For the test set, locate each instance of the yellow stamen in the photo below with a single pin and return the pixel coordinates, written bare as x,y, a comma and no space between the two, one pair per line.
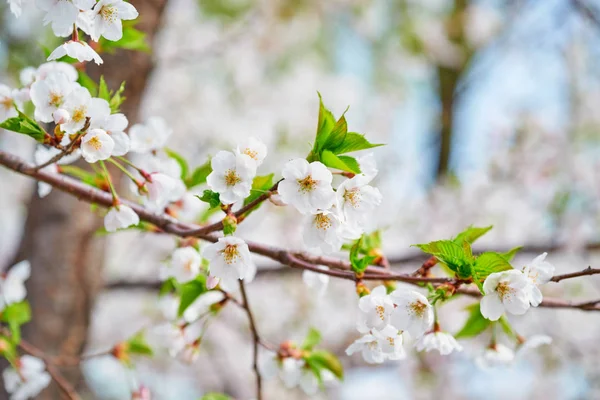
231,254
109,14
418,308
56,99
79,114
95,143
380,310
504,290
6,102
251,153
322,222
307,184
352,196
232,178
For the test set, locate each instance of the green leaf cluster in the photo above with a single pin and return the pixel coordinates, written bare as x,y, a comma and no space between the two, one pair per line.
25,125
333,141
312,339
320,360
363,246
194,178
132,39
15,315
210,197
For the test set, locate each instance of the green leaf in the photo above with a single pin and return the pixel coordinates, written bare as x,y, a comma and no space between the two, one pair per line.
360,264
229,225
183,165
199,175
168,286
88,83
322,359
117,99
475,324
210,197
132,39
447,252
25,125
260,184
324,126
103,91
342,163
353,142
137,344
506,327
471,234
488,263
509,255
215,396
16,313
312,339
337,135
190,291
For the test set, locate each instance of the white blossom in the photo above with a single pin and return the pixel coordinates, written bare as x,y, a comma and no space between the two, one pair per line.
506,290
27,76
291,371
62,14
230,260
15,7
253,148
413,313
357,200
369,347
532,343
315,281
120,217
184,265
152,135
96,145
375,310
307,186
539,272
106,19
161,190
61,116
49,94
231,176
78,50
495,356
323,230
443,342
114,125
202,305
368,166
30,379
53,67
12,284
80,105
390,342
7,103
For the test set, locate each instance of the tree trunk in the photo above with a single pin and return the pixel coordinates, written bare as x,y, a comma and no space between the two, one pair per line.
59,240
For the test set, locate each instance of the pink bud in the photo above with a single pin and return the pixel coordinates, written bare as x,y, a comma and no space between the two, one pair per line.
143,393
211,282
61,116
277,200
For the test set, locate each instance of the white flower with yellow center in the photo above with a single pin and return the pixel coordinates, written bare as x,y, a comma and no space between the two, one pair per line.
230,261
106,19
539,272
390,341
323,231
370,348
375,310
62,14
28,380
184,265
80,105
81,51
440,341
253,148
357,200
496,355
120,217
114,125
231,176
96,145
413,313
12,284
506,290
152,135
7,103
307,186
49,94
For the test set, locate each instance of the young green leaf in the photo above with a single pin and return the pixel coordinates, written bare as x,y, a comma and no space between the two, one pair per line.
353,142
490,262
88,83
132,39
137,344
260,184
215,396
447,252
190,291
312,339
168,286
117,99
25,125
183,165
324,126
322,359
337,135
509,255
475,324
199,175
342,163
16,313
210,197
103,91
471,234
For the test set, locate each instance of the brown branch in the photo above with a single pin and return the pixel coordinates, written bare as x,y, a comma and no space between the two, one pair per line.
339,268
587,271
67,150
255,338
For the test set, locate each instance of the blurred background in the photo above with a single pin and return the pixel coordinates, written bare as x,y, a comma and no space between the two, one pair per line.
490,114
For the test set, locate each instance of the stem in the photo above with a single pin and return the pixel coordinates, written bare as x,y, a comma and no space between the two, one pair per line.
123,169
132,165
110,184
256,340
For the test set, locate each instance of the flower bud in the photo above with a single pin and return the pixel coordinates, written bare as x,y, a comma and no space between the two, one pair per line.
362,290
277,200
212,282
61,116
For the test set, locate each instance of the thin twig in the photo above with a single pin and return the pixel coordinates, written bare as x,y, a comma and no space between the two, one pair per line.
256,340
67,150
587,271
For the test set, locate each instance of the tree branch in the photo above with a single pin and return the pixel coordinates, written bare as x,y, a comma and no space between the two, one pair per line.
255,339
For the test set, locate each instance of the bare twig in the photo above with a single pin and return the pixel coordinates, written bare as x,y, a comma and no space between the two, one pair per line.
587,271
256,340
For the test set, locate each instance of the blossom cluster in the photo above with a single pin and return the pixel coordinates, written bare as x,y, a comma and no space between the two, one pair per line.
385,318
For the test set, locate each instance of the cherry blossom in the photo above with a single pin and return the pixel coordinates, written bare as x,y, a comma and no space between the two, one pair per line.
106,18
15,7
76,49
49,94
443,342
413,313
202,305
80,105
7,103
253,148
316,281
96,145
61,116
120,217
28,381
390,342
368,166
28,75
12,284
161,190
507,290
152,135
231,176
357,200
307,186
375,310
230,260
62,14
370,348
184,265
52,67
323,231
495,356
539,272
114,125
